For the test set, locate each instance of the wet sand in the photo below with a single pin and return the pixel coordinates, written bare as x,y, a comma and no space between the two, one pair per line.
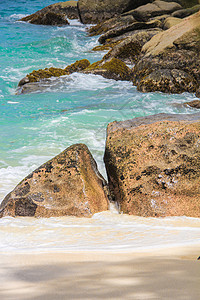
166,274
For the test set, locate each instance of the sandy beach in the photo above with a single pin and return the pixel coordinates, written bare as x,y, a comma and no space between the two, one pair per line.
168,274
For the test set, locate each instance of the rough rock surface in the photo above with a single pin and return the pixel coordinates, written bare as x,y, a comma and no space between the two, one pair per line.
112,69
95,11
183,13
26,83
157,8
68,184
174,51
115,22
54,14
153,165
193,104
128,50
120,30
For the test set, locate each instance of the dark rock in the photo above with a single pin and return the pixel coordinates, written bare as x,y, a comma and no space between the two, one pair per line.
172,55
128,50
183,13
198,92
93,11
157,8
54,14
49,18
116,22
153,165
194,103
168,81
118,31
69,184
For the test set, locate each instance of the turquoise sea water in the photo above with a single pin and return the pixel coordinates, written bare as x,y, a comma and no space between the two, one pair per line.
77,108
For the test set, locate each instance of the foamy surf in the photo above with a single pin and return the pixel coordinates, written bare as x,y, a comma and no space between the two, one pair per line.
106,231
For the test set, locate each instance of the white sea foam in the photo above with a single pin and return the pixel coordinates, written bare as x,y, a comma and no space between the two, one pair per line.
103,232
16,16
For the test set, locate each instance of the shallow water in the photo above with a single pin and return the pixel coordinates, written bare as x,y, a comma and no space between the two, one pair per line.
76,108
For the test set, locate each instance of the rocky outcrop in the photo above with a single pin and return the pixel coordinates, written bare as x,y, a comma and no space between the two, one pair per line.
26,83
170,61
157,8
129,47
193,104
94,11
153,165
112,69
116,22
68,184
183,13
54,14
120,30
170,21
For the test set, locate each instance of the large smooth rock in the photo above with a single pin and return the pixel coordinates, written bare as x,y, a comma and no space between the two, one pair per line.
68,184
153,165
171,54
157,8
95,11
54,14
171,21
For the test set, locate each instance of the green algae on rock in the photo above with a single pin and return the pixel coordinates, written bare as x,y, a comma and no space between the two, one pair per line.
153,165
40,74
68,184
112,69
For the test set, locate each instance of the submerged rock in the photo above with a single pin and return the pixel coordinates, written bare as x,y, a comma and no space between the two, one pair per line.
54,14
153,165
93,11
68,184
170,61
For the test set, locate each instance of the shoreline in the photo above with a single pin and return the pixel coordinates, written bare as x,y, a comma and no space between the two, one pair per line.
166,274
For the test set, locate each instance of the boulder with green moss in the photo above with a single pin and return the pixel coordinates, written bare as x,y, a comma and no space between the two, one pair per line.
40,74
170,61
55,14
112,69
